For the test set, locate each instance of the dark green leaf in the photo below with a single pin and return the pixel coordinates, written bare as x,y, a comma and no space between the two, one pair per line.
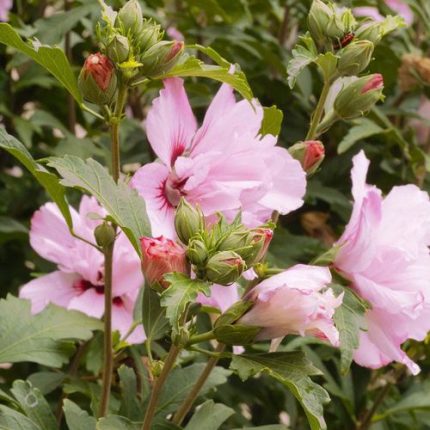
114,422
76,418
130,405
209,416
13,420
155,322
46,382
236,334
293,370
304,53
362,129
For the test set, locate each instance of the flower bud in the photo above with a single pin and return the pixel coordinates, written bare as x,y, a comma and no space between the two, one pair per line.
370,31
189,220
104,234
359,96
160,256
97,80
261,238
197,252
319,18
310,154
225,267
149,36
161,57
239,241
130,19
355,57
118,49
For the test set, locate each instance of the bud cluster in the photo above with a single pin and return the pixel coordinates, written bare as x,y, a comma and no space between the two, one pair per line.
222,252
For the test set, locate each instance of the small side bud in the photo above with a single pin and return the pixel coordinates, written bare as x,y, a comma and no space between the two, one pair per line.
104,234
189,220
355,57
129,18
359,96
97,80
161,57
310,154
118,49
197,252
159,257
319,18
225,267
150,35
260,241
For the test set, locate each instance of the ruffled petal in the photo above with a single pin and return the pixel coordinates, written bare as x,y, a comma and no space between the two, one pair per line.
89,302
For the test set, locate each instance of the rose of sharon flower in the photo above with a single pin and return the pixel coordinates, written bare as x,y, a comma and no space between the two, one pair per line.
78,282
224,165
296,301
5,7
384,253
398,6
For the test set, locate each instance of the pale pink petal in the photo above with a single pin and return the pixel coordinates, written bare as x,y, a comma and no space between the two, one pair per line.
170,124
367,11
221,297
402,8
56,287
122,320
5,7
89,302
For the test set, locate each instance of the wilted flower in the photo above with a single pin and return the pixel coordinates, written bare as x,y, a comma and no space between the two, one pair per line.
384,253
296,301
78,282
224,166
161,256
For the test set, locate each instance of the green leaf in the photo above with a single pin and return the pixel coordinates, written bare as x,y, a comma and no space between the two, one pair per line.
304,53
114,422
272,121
11,229
192,66
236,334
44,338
292,369
52,59
349,320
11,419
269,427
76,418
362,129
47,179
182,290
154,319
327,63
209,416
180,382
46,382
123,204
34,405
130,405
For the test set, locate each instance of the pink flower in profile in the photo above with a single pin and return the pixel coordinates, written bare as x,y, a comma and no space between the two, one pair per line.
398,6
5,7
78,281
296,301
224,166
384,253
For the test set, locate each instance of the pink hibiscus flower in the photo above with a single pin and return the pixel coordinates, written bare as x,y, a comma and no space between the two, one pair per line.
384,253
296,301
224,166
5,7
78,282
397,6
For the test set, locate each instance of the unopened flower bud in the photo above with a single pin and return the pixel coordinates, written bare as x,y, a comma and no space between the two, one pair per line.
118,49
355,57
189,220
97,80
359,96
310,154
197,252
159,257
370,31
237,240
319,18
161,57
130,19
104,234
150,35
225,267
261,238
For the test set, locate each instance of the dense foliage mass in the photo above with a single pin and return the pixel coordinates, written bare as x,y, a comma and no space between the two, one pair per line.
214,214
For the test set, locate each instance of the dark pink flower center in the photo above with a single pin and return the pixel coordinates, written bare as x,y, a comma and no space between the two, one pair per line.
83,285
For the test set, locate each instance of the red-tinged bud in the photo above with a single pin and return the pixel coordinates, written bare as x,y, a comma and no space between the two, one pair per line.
97,80
376,83
225,267
310,154
261,238
159,257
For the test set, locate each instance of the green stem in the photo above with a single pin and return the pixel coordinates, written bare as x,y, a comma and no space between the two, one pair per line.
187,404
319,110
156,389
198,338
108,353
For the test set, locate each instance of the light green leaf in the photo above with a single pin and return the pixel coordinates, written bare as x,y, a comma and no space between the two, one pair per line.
327,63
46,382
304,53
114,422
44,338
272,121
47,179
34,405
154,319
209,416
349,320
130,405
293,370
123,204
182,290
180,382
11,419
76,418
361,129
52,59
